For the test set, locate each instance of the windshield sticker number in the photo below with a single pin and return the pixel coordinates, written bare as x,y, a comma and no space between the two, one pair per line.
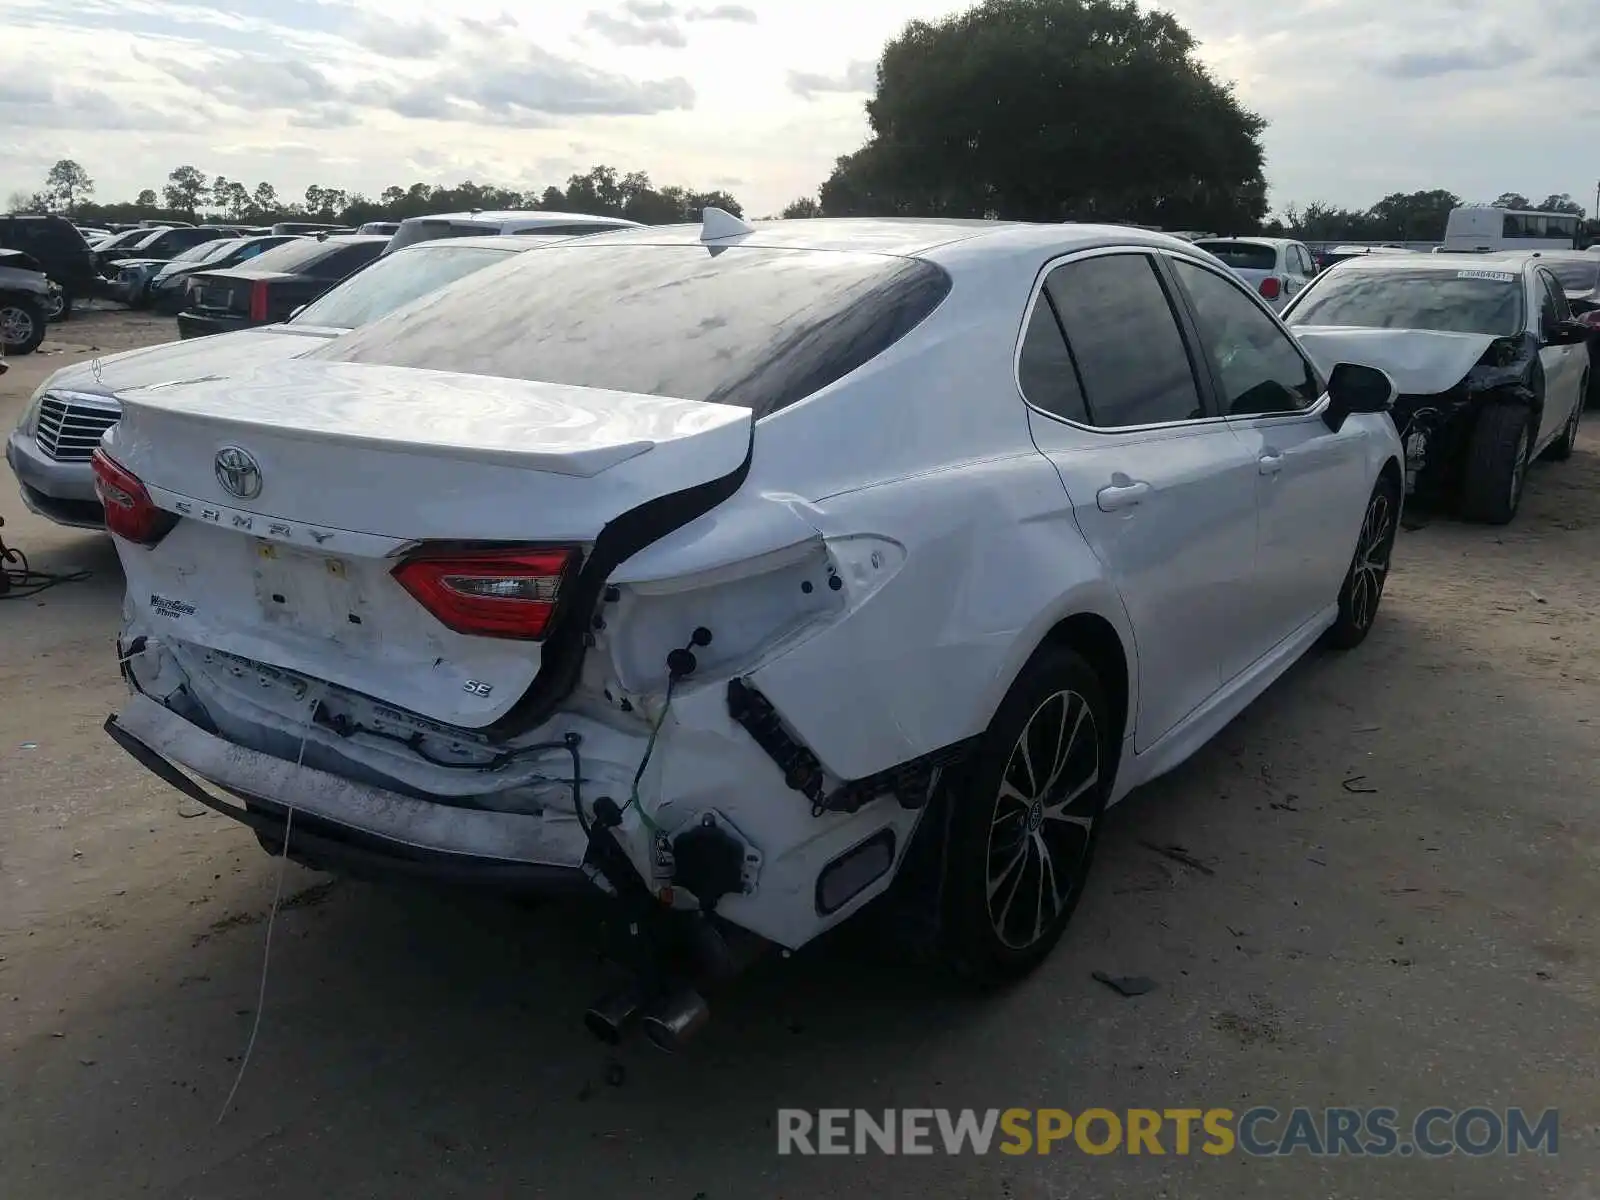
1493,276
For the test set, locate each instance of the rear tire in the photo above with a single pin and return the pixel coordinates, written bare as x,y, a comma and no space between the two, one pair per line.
60,307
1497,464
1561,449
1026,814
1369,568
22,325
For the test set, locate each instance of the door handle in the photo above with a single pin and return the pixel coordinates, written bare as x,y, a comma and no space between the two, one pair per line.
1270,463
1121,495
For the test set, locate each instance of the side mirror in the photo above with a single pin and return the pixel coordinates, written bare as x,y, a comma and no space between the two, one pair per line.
1567,333
1353,388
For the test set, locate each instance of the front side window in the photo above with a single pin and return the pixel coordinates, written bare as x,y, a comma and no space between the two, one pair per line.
1486,300
1120,327
1553,308
396,280
1256,364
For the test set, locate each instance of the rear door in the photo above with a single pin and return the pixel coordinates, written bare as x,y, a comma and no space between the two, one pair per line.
1311,483
1161,488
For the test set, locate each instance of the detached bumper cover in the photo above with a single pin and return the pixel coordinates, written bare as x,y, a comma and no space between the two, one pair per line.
344,822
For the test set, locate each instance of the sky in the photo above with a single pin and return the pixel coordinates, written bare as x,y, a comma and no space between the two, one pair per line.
1363,97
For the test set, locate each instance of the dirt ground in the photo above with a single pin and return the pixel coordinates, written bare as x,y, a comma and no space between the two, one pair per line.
1396,904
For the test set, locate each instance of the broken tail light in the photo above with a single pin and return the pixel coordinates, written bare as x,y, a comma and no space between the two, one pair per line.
130,513
490,593
1271,288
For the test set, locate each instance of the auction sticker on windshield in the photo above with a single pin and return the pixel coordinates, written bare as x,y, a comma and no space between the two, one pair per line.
1496,276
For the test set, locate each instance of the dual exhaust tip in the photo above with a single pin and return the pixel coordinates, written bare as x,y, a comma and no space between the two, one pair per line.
670,1021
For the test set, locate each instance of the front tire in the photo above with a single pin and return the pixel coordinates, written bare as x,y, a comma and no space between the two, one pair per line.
59,307
1362,591
1497,464
1027,810
22,324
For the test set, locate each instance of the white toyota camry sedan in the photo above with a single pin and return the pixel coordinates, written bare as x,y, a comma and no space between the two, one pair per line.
743,571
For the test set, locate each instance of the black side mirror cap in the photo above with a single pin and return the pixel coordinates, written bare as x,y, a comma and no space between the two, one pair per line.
1353,388
1567,333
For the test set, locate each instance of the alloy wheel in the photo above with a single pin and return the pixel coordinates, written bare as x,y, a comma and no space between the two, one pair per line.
1044,817
16,325
55,305
1371,569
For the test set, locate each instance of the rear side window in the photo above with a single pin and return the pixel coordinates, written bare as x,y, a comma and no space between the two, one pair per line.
1125,340
1246,256
750,326
1045,371
343,260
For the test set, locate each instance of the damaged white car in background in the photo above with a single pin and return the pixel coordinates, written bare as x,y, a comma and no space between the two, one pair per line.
1491,367
742,572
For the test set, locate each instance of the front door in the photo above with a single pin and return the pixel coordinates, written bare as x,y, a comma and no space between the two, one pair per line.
1563,365
1311,482
1161,488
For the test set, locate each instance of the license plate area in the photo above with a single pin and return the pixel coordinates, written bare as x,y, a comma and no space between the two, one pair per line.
315,594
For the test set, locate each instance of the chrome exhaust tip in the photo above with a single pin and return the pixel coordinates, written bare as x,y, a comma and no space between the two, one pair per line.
611,1016
676,1019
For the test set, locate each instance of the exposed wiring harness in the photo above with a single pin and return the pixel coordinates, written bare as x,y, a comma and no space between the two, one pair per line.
18,580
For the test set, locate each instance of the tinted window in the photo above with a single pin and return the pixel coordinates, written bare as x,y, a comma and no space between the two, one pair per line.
1125,340
746,325
398,279
1257,367
292,257
1467,301
1577,276
413,231
1248,256
343,260
1553,308
204,252
1044,368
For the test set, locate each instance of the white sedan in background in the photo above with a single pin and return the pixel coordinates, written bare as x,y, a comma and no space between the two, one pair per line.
1278,269
742,571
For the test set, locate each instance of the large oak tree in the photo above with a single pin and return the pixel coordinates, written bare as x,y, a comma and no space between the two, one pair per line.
1053,110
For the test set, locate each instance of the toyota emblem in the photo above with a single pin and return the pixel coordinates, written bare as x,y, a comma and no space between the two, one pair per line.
238,473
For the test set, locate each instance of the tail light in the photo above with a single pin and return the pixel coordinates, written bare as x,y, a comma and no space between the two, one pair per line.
258,300
1271,288
130,513
491,593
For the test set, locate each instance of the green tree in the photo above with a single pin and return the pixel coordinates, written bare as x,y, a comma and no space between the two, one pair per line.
806,206
185,191
264,201
1562,202
1512,200
147,198
1413,216
66,186
1050,110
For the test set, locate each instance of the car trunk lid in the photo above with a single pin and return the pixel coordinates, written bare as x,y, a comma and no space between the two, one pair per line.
348,470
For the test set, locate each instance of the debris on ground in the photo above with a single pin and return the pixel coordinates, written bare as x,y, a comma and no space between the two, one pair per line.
1358,785
1126,985
1179,855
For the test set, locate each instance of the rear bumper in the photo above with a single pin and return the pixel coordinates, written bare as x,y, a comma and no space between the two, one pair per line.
193,324
324,845
62,492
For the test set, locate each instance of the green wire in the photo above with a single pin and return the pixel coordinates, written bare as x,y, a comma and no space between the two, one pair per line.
649,748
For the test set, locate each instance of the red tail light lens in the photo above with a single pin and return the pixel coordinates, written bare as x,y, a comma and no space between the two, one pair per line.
130,513
258,300
1271,289
493,593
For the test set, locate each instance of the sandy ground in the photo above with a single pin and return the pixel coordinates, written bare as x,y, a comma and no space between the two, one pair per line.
1423,935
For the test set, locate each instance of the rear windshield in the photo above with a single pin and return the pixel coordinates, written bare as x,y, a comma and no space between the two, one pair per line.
1469,301
431,231
1576,276
751,326
1247,256
206,251
396,280
293,257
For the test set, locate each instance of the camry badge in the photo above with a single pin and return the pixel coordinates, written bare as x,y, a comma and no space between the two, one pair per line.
238,473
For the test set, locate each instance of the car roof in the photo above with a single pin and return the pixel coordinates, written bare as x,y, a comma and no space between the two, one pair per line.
345,239
501,216
513,243
1250,241
1438,262
941,239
